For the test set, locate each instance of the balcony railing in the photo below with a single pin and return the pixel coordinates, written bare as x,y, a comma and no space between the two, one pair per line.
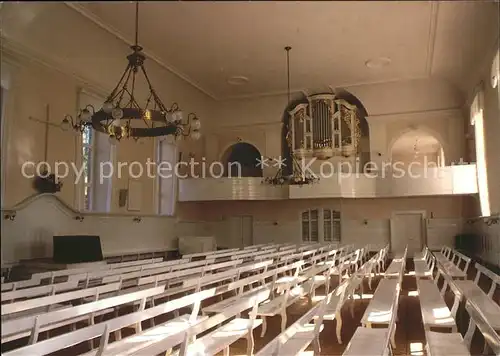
453,180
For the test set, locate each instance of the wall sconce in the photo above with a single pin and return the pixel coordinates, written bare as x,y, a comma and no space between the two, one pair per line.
79,218
10,216
137,219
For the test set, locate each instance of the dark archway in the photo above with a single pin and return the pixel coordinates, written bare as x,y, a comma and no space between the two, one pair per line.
241,160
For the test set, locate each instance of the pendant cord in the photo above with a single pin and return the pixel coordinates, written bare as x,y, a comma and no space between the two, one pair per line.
287,49
136,23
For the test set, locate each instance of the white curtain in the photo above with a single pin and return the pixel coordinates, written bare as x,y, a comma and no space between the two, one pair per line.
167,182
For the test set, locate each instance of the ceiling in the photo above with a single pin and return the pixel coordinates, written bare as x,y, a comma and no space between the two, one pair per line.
415,142
207,43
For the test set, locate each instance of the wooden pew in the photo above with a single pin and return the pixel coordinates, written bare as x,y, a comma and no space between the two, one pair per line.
397,263
32,326
373,342
444,344
298,336
195,283
297,286
239,286
435,312
382,306
223,336
44,290
382,310
13,286
424,266
451,260
482,301
175,327
57,301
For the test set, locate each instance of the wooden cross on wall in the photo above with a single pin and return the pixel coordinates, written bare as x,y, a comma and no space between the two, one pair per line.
46,123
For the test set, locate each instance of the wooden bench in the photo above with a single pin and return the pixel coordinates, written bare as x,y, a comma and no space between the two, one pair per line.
33,325
444,344
13,286
375,342
219,339
57,301
298,336
239,286
397,264
382,306
298,286
175,327
44,290
195,283
338,298
451,260
424,264
482,301
435,312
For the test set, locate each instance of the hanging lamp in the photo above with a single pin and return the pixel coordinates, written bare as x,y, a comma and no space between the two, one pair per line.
121,115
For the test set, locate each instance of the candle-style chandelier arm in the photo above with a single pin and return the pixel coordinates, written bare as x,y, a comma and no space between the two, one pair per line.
82,120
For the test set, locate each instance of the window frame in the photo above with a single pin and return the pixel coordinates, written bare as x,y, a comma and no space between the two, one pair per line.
477,121
157,191
321,225
79,145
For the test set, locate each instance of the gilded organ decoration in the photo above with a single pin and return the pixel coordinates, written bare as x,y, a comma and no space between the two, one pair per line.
324,127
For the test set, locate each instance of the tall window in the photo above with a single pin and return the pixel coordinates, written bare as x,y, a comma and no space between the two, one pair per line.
166,178
97,161
476,114
321,225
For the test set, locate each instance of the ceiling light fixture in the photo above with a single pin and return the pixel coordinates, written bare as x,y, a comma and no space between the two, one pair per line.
298,176
121,114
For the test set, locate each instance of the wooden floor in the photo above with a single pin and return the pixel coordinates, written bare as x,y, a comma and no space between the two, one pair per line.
410,338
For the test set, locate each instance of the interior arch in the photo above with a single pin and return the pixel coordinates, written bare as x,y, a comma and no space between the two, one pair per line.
417,145
241,160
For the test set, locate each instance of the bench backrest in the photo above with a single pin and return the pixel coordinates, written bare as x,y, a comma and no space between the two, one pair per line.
490,335
317,312
58,298
137,262
39,291
495,279
105,328
12,286
188,268
448,282
34,323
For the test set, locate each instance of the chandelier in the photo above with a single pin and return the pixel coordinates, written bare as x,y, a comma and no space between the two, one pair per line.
121,115
298,176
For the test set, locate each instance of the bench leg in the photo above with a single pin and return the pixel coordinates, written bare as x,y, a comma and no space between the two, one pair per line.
339,326
393,336
283,321
264,326
226,351
250,343
316,346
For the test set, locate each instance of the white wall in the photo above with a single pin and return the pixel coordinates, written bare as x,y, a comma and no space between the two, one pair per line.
42,217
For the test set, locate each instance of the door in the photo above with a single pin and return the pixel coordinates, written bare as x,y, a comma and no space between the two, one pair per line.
406,230
239,232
